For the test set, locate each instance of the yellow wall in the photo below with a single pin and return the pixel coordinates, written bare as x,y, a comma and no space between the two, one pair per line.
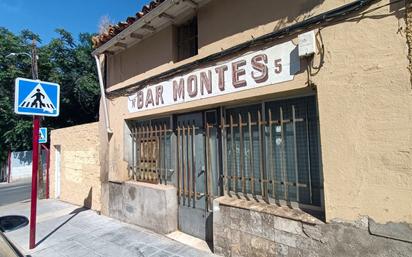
364,97
80,166
138,60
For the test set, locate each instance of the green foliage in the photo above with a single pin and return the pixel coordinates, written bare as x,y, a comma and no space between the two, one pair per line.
63,60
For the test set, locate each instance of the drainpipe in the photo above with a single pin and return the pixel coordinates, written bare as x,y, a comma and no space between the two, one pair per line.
102,92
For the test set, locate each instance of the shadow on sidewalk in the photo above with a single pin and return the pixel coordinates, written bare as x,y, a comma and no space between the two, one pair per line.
75,212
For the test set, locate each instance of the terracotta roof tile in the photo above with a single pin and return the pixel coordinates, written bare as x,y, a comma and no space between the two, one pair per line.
113,30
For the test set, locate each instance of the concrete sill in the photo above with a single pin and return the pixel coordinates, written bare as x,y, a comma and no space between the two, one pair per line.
149,185
275,210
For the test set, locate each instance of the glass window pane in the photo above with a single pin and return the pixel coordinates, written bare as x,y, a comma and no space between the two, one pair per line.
304,160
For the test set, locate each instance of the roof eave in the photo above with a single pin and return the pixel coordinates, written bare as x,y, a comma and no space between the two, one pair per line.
140,23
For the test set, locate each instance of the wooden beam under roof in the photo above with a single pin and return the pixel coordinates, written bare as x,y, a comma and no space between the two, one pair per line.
167,16
136,35
190,3
122,45
148,27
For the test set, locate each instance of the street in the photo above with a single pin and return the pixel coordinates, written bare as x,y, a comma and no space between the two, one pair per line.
15,191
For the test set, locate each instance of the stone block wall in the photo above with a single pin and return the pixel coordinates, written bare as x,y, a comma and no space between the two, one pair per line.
79,166
244,228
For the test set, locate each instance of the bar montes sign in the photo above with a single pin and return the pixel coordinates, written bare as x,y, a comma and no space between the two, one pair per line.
273,65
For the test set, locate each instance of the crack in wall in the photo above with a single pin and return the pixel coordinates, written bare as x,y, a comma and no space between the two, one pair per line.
408,20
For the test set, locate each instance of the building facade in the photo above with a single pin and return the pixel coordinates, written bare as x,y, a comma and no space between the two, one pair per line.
268,128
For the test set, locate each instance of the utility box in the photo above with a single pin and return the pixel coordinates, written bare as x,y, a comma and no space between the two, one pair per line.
307,44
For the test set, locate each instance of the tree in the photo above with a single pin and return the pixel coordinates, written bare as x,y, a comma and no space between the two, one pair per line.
63,60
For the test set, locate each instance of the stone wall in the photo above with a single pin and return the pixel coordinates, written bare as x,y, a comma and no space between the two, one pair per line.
244,228
80,166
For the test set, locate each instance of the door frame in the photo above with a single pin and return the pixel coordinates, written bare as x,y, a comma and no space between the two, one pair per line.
57,171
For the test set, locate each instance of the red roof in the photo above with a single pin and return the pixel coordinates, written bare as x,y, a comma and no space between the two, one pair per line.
113,30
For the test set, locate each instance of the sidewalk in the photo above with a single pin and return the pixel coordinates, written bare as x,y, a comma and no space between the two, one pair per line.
67,230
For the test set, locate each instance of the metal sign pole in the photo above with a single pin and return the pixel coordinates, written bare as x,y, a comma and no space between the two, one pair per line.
36,98
35,164
35,159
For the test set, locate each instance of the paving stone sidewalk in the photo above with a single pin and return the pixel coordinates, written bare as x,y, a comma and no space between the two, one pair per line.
68,230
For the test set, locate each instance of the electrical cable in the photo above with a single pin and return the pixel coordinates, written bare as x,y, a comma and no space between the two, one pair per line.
298,27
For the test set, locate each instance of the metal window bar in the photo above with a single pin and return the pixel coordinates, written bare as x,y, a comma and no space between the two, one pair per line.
179,164
233,156
295,152
165,162
251,159
209,186
184,161
187,169
271,150
272,174
225,151
150,153
308,154
242,171
194,164
282,155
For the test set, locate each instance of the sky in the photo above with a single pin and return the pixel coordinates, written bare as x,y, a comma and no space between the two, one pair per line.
76,16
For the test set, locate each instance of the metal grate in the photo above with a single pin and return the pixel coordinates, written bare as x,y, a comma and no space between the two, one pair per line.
266,151
272,151
186,164
151,152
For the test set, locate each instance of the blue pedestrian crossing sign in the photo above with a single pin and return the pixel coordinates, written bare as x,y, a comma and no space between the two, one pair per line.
35,97
42,135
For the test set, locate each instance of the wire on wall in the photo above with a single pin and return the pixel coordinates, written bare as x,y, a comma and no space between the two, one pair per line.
323,19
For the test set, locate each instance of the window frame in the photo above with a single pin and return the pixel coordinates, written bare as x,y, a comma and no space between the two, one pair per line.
222,139
190,41
317,209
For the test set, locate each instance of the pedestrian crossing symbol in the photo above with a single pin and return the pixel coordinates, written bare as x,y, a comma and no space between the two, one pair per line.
35,97
42,135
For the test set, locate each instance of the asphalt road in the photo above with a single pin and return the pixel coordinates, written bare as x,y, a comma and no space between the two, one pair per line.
14,192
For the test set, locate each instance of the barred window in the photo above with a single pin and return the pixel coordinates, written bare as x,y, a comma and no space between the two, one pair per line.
187,40
151,151
266,151
272,151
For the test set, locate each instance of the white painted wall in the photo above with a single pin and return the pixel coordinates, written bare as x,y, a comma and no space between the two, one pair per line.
21,164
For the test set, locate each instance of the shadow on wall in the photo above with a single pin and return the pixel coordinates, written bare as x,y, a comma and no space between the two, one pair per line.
398,8
88,200
232,17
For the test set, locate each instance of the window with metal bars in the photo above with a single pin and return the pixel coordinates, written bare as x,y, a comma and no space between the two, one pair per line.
151,151
273,151
187,45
